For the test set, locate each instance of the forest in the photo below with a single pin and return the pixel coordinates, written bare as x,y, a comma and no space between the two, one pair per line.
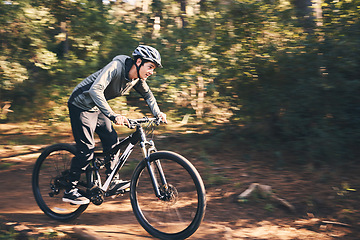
277,75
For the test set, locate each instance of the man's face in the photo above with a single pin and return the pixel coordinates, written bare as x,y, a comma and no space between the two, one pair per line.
147,70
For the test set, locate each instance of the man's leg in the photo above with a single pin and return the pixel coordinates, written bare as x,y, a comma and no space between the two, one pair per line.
108,137
83,124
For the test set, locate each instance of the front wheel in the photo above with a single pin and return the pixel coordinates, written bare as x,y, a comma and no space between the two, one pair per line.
177,214
50,176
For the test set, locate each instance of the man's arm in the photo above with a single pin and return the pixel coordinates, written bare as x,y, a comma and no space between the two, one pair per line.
143,89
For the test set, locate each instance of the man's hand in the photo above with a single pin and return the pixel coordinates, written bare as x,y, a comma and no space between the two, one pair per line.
163,117
121,120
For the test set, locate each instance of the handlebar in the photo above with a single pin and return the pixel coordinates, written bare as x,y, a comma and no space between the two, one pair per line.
135,122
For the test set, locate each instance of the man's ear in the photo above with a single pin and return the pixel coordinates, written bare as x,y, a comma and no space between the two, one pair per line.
138,61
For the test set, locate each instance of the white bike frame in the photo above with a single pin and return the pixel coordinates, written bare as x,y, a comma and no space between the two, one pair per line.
147,148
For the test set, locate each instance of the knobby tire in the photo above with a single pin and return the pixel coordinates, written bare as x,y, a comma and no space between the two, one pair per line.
52,162
180,215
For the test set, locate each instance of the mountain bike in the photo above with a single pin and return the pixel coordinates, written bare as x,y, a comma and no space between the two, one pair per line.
166,191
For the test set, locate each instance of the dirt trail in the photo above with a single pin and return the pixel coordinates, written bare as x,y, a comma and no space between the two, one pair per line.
225,217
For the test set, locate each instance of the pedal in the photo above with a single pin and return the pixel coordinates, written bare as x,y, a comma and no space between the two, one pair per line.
119,189
123,190
121,186
120,193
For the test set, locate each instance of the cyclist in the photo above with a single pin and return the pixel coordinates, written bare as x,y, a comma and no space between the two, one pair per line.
90,112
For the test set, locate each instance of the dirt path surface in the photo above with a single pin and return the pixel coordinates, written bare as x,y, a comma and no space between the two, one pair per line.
325,208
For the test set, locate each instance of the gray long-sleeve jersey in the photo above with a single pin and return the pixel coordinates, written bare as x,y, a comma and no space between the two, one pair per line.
110,82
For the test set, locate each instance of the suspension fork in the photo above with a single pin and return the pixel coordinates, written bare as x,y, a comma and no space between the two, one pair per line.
148,147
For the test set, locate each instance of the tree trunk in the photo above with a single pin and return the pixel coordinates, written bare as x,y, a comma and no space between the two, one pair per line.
305,13
66,41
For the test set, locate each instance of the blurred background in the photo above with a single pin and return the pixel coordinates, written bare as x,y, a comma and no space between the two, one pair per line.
273,74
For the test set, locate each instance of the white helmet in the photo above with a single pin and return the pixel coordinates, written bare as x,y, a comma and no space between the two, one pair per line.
148,53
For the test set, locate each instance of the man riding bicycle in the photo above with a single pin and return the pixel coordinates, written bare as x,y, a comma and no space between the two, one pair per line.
90,112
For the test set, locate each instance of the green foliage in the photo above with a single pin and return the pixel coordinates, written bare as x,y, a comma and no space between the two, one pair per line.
8,234
257,65
5,165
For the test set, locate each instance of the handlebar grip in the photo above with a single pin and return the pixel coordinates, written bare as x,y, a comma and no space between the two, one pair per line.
158,121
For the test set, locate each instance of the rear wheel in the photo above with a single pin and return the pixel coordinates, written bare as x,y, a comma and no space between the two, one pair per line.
50,176
177,214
